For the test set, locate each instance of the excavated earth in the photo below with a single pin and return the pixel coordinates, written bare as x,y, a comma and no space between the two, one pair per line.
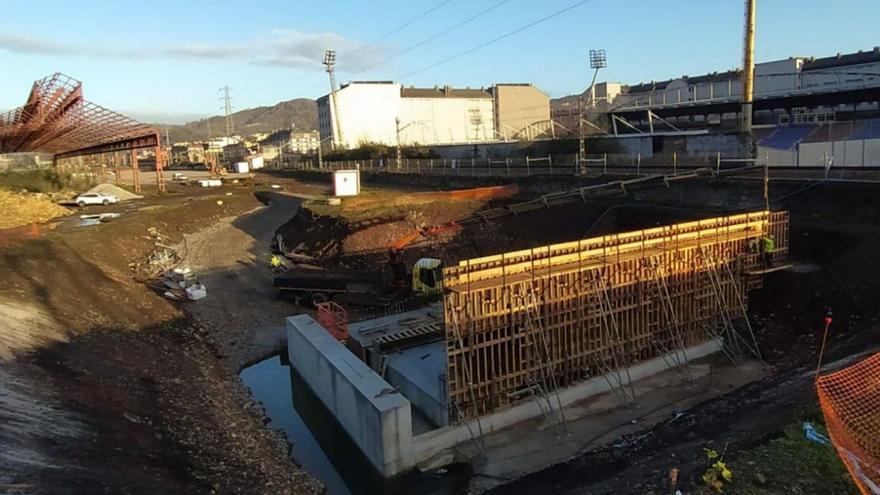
106,386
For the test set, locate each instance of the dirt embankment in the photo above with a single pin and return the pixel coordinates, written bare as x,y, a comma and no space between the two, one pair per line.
25,208
106,387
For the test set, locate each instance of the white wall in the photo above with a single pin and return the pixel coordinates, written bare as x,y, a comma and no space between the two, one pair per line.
779,76
446,120
366,113
850,153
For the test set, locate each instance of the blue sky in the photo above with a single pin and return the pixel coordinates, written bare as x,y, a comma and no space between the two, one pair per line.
164,60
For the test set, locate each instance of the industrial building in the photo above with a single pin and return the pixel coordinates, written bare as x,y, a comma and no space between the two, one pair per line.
387,113
796,90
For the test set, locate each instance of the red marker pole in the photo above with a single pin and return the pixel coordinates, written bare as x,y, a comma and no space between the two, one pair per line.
824,338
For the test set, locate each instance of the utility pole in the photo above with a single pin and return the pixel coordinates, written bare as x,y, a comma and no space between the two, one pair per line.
397,128
597,61
281,153
227,108
748,72
329,64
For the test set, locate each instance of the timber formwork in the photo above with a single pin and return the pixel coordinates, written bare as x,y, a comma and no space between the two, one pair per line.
557,315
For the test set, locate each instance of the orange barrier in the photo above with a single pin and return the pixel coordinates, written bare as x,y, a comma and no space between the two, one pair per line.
850,401
485,193
334,319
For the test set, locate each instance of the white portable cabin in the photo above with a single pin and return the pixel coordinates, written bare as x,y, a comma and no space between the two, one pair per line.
346,182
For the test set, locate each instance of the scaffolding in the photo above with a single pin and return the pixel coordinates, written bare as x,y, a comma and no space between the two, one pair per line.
528,323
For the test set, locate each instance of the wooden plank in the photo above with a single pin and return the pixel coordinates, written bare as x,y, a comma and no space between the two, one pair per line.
488,296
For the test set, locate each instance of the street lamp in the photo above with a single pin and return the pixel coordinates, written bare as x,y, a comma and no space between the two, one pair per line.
329,63
597,61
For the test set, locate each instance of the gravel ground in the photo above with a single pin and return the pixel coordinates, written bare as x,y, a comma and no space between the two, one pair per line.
106,387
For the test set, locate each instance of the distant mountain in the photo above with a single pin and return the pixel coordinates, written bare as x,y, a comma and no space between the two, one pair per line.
302,112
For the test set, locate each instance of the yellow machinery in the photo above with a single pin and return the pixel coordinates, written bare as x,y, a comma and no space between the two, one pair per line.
427,277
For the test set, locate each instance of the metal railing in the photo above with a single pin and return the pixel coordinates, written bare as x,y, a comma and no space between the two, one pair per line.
520,166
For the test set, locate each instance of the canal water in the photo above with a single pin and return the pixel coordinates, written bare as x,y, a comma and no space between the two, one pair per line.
321,446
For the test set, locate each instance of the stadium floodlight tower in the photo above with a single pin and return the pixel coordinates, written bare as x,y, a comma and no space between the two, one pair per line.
597,61
329,64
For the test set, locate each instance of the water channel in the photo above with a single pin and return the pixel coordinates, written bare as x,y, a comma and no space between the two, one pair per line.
321,446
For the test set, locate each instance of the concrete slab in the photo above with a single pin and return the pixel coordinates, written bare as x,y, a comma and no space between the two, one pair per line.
418,372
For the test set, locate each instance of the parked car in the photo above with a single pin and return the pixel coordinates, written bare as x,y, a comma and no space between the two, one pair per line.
96,199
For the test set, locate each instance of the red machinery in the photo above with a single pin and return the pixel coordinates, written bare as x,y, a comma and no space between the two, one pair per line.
334,319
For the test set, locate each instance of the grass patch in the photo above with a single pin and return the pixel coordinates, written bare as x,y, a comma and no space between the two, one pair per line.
43,181
789,464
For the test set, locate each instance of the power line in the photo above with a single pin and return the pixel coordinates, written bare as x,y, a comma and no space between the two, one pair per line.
434,37
496,39
401,27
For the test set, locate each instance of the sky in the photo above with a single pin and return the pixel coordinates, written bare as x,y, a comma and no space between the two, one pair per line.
166,60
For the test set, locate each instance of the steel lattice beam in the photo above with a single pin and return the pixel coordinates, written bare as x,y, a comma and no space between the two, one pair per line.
57,119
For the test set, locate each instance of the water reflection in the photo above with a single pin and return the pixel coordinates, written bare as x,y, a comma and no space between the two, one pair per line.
321,446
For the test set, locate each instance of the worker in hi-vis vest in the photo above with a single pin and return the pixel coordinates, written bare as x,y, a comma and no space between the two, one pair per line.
275,261
768,246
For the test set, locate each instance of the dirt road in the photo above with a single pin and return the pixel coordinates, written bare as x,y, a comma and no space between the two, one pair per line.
244,318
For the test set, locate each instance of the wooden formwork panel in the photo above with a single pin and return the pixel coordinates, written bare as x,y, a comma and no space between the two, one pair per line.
595,305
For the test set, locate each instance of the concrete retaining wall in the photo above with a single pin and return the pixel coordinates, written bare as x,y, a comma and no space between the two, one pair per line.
432,443
380,423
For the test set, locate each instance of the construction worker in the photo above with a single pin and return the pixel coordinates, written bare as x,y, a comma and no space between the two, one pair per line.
768,246
275,262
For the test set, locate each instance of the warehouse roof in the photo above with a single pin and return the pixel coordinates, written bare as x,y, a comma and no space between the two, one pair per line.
843,60
443,92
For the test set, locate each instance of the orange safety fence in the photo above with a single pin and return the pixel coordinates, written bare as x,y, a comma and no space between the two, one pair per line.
850,401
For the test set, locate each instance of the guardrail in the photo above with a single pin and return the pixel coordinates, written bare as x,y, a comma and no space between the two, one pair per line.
556,164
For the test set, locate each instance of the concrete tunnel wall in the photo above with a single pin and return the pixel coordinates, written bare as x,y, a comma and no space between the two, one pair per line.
379,423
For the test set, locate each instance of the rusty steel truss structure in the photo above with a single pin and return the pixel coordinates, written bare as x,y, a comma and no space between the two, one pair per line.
57,119
523,324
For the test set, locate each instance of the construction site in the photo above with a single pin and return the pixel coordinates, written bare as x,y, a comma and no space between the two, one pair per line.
652,303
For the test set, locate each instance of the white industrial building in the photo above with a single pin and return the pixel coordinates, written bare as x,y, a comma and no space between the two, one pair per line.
387,113
789,77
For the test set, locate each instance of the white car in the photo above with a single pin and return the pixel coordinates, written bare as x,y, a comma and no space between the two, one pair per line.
96,199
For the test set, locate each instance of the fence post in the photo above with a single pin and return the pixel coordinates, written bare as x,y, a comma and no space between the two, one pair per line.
507,162
718,163
639,163
605,163
489,166
419,165
528,169
550,161
674,162
473,167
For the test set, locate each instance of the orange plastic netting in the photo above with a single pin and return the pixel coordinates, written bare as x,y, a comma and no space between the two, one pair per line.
850,401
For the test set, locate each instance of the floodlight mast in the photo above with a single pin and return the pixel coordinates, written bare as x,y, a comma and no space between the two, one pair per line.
329,64
597,61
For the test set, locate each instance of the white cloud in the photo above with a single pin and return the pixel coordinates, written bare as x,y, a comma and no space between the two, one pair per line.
22,44
206,51
296,49
276,47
